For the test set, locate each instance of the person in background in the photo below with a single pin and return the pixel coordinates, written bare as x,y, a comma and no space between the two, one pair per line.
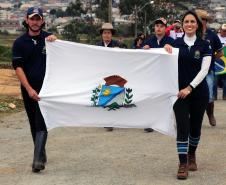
121,43
138,43
141,35
29,62
222,78
216,46
106,32
159,40
175,31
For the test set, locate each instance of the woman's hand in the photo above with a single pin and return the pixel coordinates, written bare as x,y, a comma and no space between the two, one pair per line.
184,92
168,48
51,38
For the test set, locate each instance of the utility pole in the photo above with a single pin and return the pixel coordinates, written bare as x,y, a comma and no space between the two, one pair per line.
135,12
110,11
145,23
138,9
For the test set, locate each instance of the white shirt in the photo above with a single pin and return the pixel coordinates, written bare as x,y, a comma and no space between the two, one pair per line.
222,39
175,35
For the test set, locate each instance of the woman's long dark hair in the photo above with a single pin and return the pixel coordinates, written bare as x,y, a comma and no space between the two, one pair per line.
199,31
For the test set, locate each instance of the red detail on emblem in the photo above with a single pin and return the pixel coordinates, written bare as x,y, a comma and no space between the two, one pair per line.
115,80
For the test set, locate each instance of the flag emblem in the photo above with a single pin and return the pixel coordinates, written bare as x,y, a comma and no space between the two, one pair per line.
197,54
113,94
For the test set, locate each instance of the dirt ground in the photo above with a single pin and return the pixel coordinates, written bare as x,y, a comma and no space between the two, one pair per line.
9,93
92,156
9,84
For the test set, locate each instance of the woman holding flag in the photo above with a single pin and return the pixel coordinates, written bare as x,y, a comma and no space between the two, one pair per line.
193,65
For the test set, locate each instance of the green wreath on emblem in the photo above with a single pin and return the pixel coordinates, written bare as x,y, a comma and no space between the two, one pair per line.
129,98
95,95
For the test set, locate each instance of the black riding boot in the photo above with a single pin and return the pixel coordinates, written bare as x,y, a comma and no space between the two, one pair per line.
40,141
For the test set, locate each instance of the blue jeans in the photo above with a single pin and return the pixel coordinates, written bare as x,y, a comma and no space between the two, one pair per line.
211,85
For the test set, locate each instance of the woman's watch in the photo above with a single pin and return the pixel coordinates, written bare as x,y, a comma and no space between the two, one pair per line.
190,88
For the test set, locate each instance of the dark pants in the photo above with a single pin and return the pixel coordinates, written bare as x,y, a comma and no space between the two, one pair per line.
189,114
35,117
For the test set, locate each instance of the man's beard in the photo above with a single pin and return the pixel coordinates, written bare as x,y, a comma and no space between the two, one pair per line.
35,30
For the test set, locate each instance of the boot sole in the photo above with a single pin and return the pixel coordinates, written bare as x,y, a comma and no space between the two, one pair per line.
182,177
35,170
192,169
38,166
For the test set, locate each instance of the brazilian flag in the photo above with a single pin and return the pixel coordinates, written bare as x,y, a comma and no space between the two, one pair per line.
220,64
109,92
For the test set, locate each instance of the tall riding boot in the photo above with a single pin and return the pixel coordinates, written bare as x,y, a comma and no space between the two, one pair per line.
40,141
210,114
44,157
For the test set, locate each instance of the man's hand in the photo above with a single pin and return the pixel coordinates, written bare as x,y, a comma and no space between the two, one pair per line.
33,94
146,47
51,38
168,48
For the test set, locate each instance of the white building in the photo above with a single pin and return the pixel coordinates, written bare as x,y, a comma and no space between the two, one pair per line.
5,14
6,5
11,26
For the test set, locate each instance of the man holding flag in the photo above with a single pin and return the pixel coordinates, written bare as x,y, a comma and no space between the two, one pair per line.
29,62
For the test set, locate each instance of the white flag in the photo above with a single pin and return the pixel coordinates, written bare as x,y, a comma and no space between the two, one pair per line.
94,86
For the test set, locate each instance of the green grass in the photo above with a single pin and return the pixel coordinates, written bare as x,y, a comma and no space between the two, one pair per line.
5,56
7,40
4,105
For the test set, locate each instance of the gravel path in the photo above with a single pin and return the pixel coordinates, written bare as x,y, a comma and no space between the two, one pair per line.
92,156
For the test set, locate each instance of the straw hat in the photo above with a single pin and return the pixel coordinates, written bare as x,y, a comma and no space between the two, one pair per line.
202,14
107,26
223,27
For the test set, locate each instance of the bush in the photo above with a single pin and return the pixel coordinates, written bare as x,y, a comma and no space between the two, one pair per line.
5,54
77,30
125,30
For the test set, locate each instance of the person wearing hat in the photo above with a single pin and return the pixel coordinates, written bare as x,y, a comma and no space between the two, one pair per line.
106,32
222,35
216,46
159,40
222,78
174,31
29,62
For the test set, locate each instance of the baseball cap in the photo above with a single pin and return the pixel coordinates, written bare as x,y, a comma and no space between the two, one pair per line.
161,21
177,21
34,11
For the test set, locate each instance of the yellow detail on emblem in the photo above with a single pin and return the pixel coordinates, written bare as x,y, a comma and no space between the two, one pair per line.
107,92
